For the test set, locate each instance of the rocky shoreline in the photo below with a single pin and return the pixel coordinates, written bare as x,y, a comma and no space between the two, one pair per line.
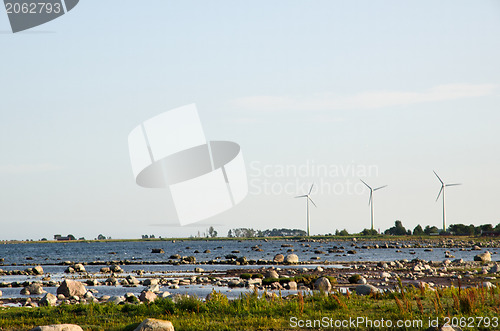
286,272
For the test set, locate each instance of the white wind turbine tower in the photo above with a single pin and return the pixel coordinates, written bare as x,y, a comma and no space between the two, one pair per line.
443,186
370,201
308,198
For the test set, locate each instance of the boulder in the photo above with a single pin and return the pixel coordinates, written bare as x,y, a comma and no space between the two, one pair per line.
70,288
292,285
132,280
152,324
157,251
154,288
150,281
198,270
483,257
58,327
494,269
292,258
271,274
147,296
279,258
366,289
92,282
488,285
33,289
116,268
242,260
48,300
116,299
79,267
38,270
322,284
0,293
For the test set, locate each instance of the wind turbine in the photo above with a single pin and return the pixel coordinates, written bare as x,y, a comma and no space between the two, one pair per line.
370,201
308,198
443,186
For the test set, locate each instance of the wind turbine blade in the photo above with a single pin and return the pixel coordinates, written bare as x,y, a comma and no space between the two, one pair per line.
453,184
302,196
378,188
438,177
370,199
312,202
366,184
310,190
441,190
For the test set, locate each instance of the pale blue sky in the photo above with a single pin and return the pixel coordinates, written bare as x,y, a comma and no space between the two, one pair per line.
406,87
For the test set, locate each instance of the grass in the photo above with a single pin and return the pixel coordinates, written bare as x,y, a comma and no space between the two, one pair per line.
253,312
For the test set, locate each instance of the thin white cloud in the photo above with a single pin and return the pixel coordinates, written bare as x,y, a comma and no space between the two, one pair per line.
364,100
12,169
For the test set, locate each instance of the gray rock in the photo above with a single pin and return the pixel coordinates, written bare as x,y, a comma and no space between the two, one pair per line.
322,284
116,268
271,274
132,280
279,258
292,285
488,285
48,300
165,294
79,267
152,324
38,270
292,258
116,300
361,280
494,269
198,270
33,289
58,327
92,282
147,296
70,288
112,281
150,281
234,283
154,288
366,289
483,257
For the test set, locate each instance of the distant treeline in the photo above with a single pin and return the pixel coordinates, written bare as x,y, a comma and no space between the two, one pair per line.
455,229
397,230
